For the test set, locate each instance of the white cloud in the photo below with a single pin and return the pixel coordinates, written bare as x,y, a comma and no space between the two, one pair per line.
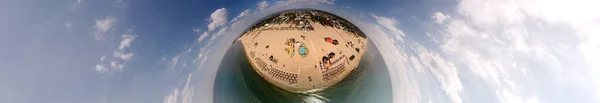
405,67
282,3
262,5
242,14
164,57
173,62
188,91
590,48
112,66
445,72
485,54
101,68
237,23
390,24
102,26
500,41
200,55
219,33
330,2
188,51
440,17
202,36
183,95
68,25
116,65
126,40
217,18
120,56
496,41
197,30
201,58
172,98
103,58
395,58
123,56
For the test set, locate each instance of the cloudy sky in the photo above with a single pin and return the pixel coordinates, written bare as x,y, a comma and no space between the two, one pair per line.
166,51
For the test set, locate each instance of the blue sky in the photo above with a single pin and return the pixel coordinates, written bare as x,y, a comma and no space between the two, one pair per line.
131,51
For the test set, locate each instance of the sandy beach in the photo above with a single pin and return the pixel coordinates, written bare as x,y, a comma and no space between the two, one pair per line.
282,65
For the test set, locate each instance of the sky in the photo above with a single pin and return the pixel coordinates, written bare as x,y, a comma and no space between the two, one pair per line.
167,51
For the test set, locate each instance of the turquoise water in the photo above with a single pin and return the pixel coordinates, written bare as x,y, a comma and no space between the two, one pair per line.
237,82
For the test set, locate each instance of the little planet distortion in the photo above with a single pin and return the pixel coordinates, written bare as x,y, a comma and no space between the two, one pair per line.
303,50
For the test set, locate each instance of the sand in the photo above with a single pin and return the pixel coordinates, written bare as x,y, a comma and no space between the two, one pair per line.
292,72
